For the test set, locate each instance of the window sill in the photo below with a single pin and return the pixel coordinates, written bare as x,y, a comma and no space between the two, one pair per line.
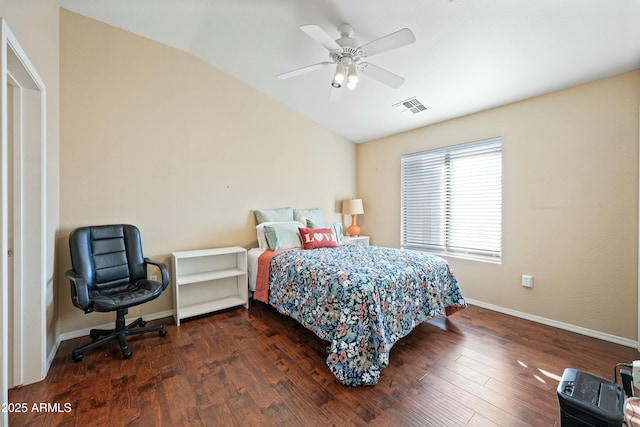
469,257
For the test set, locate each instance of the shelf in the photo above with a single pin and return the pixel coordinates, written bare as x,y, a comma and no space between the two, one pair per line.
199,253
211,306
209,280
207,276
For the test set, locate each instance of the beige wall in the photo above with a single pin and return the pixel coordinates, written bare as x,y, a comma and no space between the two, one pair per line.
35,25
570,202
155,137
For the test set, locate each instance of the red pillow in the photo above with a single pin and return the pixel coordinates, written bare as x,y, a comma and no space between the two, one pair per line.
313,238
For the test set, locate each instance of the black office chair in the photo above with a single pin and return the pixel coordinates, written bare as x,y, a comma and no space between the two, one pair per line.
109,273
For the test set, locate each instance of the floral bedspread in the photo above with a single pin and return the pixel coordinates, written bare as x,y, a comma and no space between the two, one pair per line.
362,299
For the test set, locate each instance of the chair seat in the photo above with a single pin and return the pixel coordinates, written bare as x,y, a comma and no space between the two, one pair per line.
120,297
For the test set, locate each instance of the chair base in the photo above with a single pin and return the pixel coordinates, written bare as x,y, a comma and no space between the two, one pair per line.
120,334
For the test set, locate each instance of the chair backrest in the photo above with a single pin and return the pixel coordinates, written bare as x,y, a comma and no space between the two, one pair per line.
107,255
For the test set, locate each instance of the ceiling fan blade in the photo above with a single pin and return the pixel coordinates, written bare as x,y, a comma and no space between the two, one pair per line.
382,75
303,70
318,34
390,41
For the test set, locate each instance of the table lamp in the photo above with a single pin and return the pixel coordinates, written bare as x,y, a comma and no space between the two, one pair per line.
353,207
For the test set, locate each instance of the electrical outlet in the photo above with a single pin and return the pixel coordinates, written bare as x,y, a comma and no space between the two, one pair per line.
527,281
636,374
153,277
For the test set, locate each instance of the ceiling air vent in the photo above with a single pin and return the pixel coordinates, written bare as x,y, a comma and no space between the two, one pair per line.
410,106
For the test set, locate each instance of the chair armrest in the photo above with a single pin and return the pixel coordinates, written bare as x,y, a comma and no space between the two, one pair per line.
79,291
163,272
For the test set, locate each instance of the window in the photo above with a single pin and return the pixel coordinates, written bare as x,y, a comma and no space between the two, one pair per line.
452,200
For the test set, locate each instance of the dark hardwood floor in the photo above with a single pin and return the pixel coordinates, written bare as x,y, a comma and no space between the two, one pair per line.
258,368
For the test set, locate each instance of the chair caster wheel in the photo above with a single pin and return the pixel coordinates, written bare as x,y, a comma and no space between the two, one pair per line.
162,332
94,337
77,357
126,353
143,323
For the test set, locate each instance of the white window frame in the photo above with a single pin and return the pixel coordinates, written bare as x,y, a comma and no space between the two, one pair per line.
440,208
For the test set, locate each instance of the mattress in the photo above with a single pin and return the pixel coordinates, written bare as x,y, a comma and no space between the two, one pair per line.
252,266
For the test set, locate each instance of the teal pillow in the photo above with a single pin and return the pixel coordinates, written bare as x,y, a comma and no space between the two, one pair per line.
282,236
273,215
336,227
303,215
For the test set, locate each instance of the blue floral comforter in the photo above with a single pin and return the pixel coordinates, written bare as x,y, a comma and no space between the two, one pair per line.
362,299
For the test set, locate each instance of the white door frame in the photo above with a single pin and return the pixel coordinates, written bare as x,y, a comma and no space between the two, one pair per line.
29,350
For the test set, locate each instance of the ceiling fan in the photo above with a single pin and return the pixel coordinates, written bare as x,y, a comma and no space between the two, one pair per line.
347,54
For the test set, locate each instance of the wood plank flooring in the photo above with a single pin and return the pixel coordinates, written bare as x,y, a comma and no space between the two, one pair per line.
257,367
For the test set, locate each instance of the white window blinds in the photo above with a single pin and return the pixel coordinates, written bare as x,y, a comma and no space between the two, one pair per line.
452,199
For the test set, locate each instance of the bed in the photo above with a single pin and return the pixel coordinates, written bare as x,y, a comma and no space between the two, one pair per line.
361,299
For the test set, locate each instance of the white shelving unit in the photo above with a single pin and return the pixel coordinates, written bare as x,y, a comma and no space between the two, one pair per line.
209,280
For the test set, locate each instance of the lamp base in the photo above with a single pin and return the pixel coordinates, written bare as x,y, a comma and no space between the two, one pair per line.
353,230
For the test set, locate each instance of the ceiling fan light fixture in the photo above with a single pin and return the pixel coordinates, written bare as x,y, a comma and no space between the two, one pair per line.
340,74
352,77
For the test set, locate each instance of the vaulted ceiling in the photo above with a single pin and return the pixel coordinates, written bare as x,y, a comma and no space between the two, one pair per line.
469,55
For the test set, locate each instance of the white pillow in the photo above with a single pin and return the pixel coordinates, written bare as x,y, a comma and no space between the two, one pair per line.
262,239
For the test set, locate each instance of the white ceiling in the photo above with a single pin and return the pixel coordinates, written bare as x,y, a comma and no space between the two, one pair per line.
469,55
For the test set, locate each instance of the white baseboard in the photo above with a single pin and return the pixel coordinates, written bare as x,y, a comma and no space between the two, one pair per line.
52,353
560,325
84,332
